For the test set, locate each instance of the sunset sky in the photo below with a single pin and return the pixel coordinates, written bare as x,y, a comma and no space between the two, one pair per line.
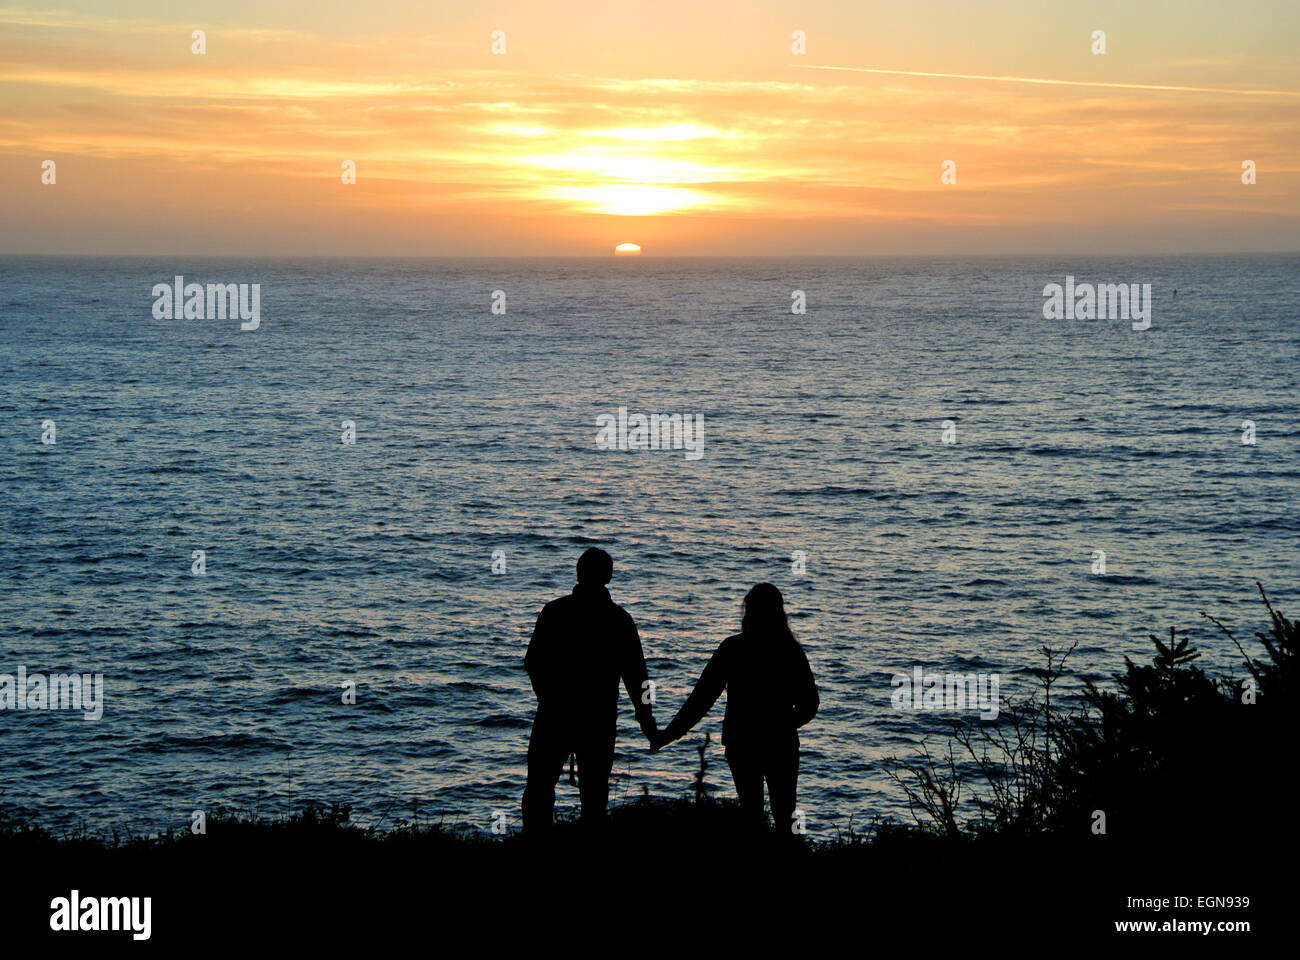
690,128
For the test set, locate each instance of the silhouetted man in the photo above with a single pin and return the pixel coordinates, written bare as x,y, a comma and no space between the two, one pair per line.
582,645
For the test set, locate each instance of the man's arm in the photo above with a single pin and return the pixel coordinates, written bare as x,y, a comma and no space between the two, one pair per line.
635,676
537,659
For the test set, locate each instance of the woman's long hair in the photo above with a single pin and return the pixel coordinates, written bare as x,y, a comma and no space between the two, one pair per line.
764,612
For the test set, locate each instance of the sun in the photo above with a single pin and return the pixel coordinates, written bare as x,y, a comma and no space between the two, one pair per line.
627,250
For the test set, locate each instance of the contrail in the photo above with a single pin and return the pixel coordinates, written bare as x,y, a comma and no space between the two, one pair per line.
1060,83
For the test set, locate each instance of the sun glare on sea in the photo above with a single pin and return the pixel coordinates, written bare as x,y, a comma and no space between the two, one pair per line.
627,250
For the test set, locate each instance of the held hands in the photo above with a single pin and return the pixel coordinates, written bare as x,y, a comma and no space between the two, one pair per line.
659,739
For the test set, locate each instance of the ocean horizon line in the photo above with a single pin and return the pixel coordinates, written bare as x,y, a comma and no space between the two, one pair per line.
1258,254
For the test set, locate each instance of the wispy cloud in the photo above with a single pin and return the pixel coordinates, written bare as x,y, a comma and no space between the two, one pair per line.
1046,81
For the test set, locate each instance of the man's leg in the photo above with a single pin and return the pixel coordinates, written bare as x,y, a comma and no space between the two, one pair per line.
548,748
595,761
747,773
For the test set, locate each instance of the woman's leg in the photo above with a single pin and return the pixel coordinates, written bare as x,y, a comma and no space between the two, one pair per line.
781,769
747,773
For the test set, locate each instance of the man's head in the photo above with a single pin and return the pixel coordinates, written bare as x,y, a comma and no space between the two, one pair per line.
595,567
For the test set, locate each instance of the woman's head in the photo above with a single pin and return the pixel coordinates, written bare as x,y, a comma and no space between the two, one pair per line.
764,611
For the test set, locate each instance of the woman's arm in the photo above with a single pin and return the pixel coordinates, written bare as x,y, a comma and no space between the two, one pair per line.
707,690
806,699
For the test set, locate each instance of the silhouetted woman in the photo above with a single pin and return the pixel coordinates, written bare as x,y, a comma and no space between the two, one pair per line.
770,695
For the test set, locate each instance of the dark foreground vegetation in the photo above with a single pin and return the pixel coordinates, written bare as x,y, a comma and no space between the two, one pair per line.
1188,774
1170,754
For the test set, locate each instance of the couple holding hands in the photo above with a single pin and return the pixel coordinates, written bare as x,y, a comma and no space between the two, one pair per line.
584,644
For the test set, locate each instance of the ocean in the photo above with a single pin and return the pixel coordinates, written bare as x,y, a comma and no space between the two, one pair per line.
927,467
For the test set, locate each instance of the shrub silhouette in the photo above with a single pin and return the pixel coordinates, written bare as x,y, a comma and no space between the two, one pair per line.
1169,755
